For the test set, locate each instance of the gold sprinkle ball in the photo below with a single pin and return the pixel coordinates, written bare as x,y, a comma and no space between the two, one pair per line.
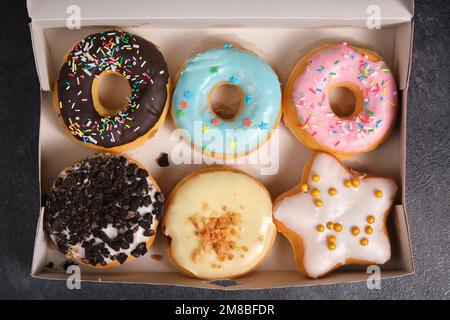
347,183
338,227
355,182
330,225
331,239
371,219
332,246
304,187
368,230
355,231
318,203
332,191
315,193
320,228
315,178
364,241
378,193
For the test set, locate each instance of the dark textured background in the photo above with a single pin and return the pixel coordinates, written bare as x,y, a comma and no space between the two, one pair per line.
428,176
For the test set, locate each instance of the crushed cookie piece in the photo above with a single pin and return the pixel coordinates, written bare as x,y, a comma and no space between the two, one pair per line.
215,232
233,232
261,238
245,248
163,160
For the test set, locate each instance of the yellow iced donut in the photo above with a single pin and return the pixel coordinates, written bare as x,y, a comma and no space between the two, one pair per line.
220,224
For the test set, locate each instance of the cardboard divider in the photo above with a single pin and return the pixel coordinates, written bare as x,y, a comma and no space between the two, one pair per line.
282,47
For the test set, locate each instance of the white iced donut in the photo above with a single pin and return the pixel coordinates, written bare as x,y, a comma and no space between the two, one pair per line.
335,217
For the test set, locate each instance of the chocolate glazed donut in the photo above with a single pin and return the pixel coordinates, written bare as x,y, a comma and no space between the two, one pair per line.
137,60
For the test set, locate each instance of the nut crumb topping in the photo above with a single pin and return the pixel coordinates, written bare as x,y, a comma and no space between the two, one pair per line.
216,232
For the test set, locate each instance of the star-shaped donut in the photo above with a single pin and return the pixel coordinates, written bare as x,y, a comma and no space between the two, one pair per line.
335,216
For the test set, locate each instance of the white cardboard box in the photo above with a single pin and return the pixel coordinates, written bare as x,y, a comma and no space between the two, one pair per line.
279,31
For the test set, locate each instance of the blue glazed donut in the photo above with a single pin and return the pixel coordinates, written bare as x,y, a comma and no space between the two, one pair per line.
261,104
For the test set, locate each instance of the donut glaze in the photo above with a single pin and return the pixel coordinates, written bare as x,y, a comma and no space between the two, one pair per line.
220,223
374,87
139,61
261,108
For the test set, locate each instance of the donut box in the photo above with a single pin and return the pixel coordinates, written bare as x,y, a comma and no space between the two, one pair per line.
281,35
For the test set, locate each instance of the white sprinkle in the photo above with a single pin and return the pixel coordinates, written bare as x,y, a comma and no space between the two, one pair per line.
161,72
87,72
92,140
137,128
143,63
89,56
79,92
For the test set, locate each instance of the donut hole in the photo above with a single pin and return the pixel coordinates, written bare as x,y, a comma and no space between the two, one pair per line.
226,101
342,101
110,92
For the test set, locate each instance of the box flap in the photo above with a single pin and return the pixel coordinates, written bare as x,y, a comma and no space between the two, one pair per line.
51,10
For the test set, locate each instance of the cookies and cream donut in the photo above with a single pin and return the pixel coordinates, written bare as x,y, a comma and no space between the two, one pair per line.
103,211
220,225
306,103
335,216
259,111
76,93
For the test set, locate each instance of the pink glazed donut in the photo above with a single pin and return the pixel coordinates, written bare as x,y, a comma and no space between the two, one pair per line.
306,105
